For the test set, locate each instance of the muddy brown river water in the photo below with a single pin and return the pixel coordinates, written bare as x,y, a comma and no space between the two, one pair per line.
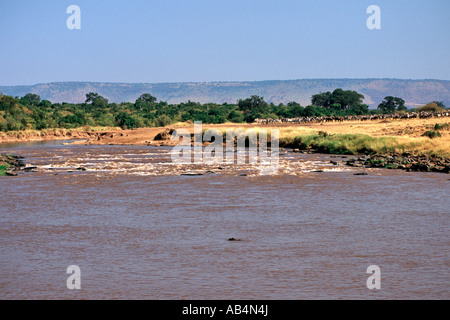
139,229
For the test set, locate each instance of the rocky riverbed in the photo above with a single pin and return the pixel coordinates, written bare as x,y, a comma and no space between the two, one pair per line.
405,161
10,163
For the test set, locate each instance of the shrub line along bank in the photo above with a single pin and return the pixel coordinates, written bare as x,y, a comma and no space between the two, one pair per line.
31,113
372,152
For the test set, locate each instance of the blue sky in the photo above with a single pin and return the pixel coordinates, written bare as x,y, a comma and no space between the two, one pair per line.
222,40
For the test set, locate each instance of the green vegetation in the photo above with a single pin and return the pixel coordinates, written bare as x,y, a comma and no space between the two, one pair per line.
432,107
3,169
431,134
356,143
443,126
253,107
391,166
31,113
341,143
391,104
341,100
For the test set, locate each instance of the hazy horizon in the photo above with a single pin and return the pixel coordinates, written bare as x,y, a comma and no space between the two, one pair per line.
414,92
214,41
221,81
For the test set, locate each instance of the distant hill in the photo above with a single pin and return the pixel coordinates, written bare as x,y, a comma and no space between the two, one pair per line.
414,92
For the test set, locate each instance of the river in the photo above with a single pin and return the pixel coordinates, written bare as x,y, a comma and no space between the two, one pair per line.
139,229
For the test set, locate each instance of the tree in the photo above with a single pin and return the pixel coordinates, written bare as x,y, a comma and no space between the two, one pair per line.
100,102
96,100
253,107
30,99
336,107
391,104
339,99
253,104
322,99
294,110
125,121
359,109
91,96
146,97
144,101
3,124
7,103
45,104
236,116
346,98
293,104
440,104
310,111
430,107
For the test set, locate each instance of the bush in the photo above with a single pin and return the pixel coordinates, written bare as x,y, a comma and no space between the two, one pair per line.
3,169
236,116
163,120
431,134
7,103
341,143
3,124
433,107
105,120
13,124
438,126
41,124
125,121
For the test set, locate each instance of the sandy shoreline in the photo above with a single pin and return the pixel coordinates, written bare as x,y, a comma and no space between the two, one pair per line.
93,136
412,128
409,130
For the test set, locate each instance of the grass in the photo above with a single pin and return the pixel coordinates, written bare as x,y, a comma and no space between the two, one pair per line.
339,142
3,169
351,137
365,144
435,147
58,130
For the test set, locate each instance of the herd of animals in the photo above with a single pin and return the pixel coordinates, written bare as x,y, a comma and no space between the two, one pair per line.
409,115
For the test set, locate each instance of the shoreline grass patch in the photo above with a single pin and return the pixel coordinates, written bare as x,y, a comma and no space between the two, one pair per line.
3,170
341,143
306,138
352,144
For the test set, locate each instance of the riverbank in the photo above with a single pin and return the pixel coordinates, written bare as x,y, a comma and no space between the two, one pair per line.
413,144
10,163
87,133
